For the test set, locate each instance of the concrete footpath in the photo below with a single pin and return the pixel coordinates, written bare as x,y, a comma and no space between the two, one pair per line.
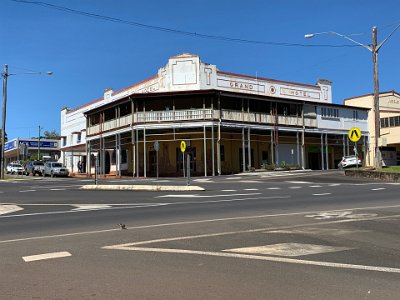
141,187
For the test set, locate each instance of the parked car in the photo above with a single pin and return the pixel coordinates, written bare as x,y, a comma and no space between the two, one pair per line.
34,167
15,168
55,169
349,161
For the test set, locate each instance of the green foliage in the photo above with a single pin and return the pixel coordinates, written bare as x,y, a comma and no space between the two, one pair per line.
52,135
391,169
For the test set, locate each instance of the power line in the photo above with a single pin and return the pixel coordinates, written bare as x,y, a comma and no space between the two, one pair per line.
174,31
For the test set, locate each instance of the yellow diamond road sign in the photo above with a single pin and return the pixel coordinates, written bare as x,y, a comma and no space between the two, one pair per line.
354,134
183,146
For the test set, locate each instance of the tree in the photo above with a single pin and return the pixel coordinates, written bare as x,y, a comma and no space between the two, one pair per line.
51,135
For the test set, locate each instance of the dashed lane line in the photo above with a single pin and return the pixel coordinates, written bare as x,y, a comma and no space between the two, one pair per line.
322,194
46,256
378,189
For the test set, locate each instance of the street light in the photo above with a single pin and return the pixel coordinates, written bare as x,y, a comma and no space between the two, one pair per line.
374,48
5,76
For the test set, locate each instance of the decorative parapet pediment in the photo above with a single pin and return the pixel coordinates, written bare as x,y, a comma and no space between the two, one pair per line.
187,72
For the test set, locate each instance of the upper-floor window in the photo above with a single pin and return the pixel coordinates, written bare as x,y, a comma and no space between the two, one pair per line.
125,109
109,114
355,115
329,112
390,122
64,141
78,138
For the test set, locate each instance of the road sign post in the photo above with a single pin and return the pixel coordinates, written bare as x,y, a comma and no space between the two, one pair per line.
188,169
354,136
183,149
156,147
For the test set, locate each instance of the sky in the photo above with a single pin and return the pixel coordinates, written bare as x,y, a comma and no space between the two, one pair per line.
129,41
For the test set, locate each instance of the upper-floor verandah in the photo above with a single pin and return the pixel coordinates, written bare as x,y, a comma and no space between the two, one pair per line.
196,106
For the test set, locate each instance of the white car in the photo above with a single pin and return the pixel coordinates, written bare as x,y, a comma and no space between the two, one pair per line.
15,168
349,161
55,169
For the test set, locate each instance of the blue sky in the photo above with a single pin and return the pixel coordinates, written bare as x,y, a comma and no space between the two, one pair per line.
88,55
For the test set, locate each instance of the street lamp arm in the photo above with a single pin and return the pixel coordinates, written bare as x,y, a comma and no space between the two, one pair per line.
388,37
26,73
31,73
311,35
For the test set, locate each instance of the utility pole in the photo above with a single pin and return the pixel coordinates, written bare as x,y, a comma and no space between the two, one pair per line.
3,118
38,151
375,48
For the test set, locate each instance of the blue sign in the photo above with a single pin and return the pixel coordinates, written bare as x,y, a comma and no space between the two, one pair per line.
10,145
31,144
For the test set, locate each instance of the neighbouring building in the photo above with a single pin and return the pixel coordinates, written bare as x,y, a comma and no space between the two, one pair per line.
21,149
230,123
389,115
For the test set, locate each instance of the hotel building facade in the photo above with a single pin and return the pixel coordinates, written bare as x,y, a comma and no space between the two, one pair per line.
230,123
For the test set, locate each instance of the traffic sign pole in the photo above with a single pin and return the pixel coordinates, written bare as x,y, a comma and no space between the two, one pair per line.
183,149
188,169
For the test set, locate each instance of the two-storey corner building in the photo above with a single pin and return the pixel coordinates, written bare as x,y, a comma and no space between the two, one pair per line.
230,123
389,114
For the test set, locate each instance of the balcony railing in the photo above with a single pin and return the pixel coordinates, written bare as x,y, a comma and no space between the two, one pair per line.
198,114
171,115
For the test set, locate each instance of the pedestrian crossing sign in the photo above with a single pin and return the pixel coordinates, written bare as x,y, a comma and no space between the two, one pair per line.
354,134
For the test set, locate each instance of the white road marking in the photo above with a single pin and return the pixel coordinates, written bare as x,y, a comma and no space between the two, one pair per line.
205,196
228,190
315,186
318,231
378,189
340,214
57,189
202,180
334,184
299,182
219,220
288,249
250,189
9,208
249,181
264,258
90,206
46,256
27,191
294,187
322,194
274,188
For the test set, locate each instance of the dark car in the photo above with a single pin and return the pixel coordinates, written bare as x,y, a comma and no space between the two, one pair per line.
34,167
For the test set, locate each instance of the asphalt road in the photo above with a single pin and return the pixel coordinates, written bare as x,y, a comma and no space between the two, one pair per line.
299,235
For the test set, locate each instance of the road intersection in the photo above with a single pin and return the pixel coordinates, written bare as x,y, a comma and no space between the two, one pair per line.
293,237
